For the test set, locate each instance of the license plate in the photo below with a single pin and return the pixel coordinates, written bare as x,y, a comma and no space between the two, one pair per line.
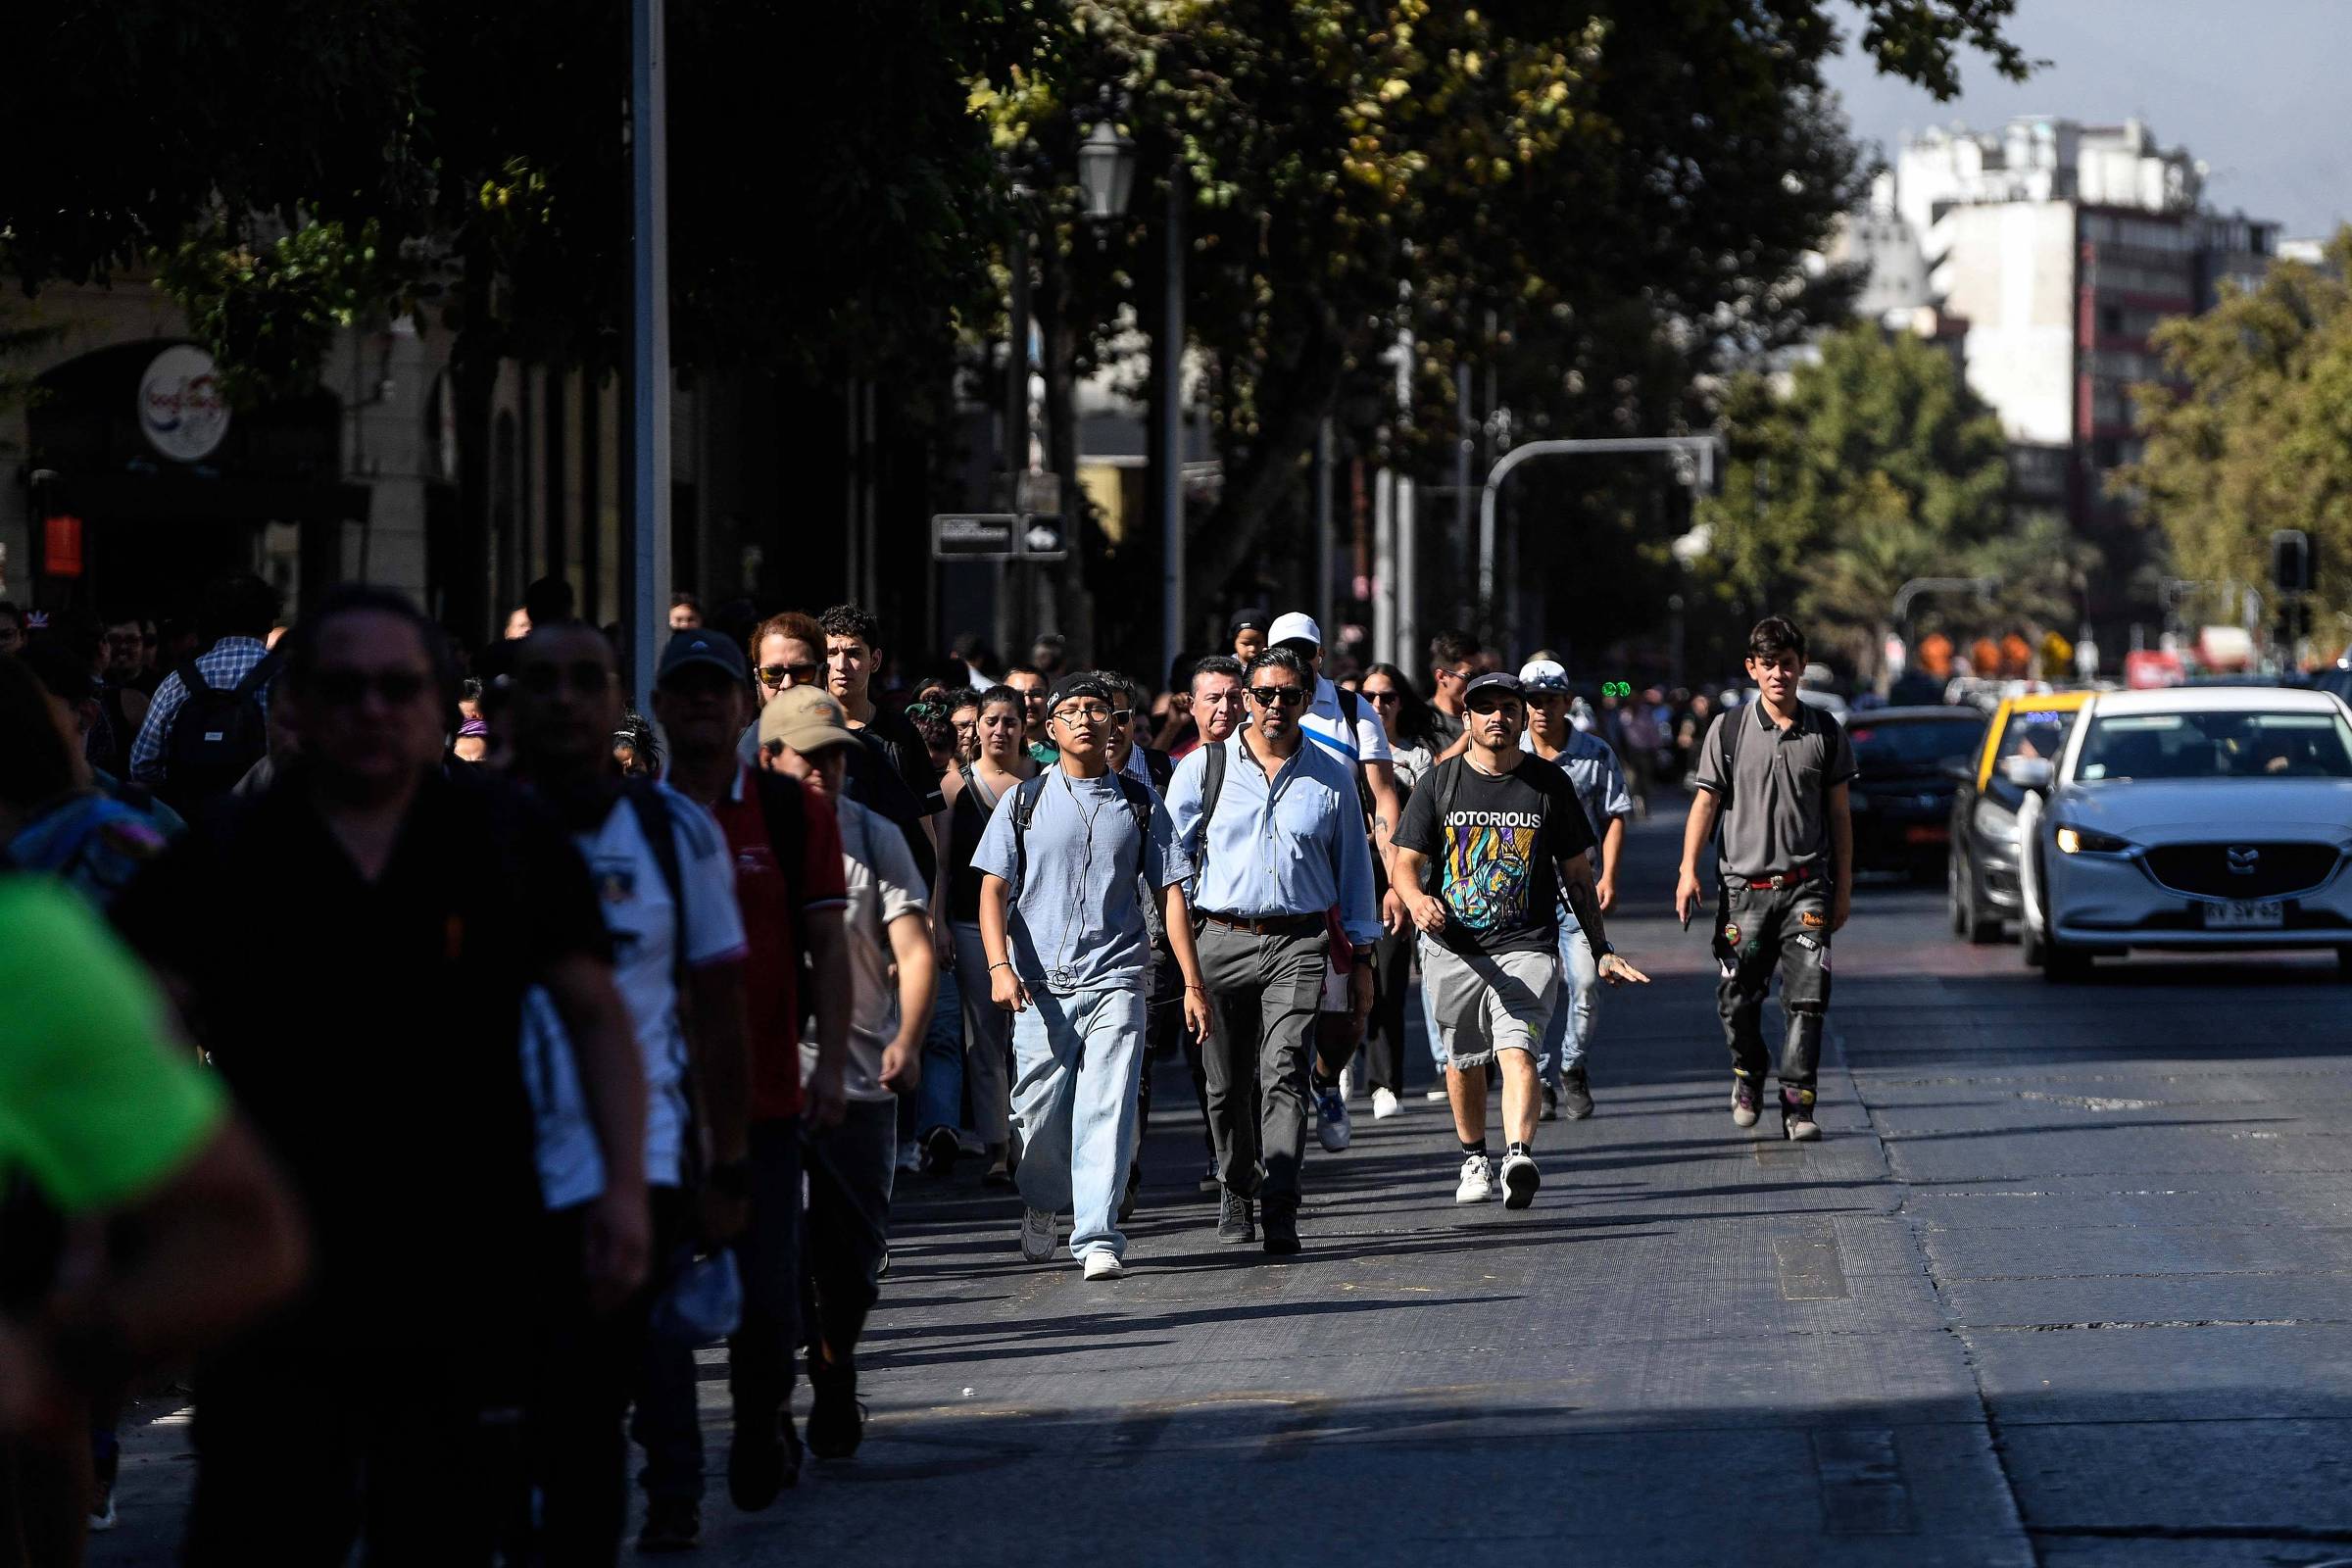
2239,915
1926,835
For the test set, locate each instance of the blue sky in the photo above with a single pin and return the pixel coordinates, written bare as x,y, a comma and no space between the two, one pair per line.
2256,88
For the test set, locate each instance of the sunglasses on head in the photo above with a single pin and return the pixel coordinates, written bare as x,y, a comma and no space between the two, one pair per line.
774,677
348,688
1285,696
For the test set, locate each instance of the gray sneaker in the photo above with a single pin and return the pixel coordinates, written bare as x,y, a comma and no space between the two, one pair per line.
1038,1235
1236,1220
1576,1094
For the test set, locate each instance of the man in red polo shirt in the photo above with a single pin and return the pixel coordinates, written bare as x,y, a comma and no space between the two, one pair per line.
789,881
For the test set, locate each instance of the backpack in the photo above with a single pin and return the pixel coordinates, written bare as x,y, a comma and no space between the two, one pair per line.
1024,807
216,735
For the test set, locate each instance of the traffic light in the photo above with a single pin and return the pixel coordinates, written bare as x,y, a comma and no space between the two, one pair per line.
2293,570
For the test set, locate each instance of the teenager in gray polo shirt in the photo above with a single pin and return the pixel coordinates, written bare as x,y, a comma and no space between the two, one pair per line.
1774,772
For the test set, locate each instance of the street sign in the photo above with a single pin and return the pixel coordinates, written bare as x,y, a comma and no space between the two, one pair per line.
998,536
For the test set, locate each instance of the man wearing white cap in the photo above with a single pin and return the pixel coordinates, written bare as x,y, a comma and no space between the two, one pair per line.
1600,783
1341,723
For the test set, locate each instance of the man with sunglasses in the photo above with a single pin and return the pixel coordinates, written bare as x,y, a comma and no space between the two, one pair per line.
1070,954
374,1048
667,885
1274,829
1452,662
1344,723
1510,839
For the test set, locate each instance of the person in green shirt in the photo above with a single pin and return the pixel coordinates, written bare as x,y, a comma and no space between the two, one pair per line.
106,1118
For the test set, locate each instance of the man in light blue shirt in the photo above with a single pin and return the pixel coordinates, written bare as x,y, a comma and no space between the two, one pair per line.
1070,954
1278,843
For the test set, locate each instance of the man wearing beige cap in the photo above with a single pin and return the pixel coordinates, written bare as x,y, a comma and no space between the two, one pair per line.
805,732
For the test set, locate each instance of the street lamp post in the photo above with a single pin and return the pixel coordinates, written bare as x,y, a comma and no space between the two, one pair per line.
1700,448
649,345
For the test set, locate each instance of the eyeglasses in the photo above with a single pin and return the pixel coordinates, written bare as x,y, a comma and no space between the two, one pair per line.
1385,698
585,676
774,677
1284,696
348,688
1089,714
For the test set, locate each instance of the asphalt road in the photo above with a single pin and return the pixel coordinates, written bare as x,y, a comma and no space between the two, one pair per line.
2065,1285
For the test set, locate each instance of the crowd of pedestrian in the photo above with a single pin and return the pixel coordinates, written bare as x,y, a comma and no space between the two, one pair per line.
482,1044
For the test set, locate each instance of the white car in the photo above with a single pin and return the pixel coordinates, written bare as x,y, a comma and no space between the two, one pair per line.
2192,819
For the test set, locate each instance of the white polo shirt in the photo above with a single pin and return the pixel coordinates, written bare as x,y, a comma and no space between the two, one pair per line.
1327,726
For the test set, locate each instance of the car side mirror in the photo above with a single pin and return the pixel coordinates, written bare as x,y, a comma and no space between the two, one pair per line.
1960,771
2029,772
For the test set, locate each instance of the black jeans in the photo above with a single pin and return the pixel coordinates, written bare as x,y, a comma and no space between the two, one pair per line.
1267,990
592,1369
1384,1032
759,1355
1756,931
324,1428
847,1223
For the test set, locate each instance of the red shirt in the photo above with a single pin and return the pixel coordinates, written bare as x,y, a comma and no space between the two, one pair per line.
774,890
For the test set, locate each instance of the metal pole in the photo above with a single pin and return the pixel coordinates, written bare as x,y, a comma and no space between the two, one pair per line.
1016,427
649,358
1464,442
1326,540
1171,431
1701,446
1384,567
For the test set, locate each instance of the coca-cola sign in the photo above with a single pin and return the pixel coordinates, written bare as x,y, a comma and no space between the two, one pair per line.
181,406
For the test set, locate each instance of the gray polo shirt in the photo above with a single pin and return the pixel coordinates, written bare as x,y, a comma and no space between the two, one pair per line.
1600,781
1776,807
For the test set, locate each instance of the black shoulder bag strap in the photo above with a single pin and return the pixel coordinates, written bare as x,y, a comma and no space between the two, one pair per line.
259,675
1024,807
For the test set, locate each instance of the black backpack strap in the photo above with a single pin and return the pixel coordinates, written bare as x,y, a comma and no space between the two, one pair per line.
259,675
1161,766
1139,802
191,678
1024,807
1212,785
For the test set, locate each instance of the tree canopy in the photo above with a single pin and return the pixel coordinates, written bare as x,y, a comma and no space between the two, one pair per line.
2253,433
1873,465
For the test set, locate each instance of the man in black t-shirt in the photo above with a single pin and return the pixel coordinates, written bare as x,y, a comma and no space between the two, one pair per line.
1509,838
853,653
353,945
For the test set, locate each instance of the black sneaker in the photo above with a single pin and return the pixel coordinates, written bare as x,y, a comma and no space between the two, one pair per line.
1211,1184
760,1464
1551,1103
836,1420
1235,1221
1797,1117
1576,1094
671,1524
1282,1232
940,1153
1135,1182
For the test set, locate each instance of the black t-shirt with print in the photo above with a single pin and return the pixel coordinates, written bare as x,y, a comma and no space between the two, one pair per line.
1497,849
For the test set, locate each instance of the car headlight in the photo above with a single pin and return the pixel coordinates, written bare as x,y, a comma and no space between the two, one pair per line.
2083,840
1995,821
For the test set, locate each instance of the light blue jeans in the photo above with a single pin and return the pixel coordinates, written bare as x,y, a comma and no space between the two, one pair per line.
939,1103
1572,1022
1078,1064
1428,1010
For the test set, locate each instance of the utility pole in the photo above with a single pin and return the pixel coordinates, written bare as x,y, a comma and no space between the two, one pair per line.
648,598
1171,432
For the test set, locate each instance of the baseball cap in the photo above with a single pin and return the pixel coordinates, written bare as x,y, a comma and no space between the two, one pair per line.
697,646
806,718
1295,627
1542,675
1247,620
1495,680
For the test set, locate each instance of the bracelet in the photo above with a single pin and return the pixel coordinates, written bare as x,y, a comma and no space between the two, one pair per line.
1203,990
1002,964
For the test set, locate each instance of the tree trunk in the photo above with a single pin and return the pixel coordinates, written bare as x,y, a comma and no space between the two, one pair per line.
1269,474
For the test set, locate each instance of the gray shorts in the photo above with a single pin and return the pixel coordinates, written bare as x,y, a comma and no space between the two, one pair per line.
1494,1001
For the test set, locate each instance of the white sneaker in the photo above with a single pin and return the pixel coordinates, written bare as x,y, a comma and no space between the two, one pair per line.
1520,1178
1038,1236
1103,1266
1478,1180
1385,1104
1439,1096
1347,1082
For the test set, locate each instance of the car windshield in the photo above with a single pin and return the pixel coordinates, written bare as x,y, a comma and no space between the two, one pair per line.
2034,732
2216,745
1903,745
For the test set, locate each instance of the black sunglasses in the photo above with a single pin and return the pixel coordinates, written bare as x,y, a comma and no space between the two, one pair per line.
348,688
774,676
1285,695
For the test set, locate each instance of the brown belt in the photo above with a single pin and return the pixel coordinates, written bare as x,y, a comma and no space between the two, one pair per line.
1273,925
1781,879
